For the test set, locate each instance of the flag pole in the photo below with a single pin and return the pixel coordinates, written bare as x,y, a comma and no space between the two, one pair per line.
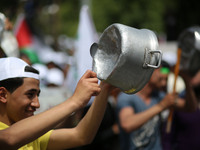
176,72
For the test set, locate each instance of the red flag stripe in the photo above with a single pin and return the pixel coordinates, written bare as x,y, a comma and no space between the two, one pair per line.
23,34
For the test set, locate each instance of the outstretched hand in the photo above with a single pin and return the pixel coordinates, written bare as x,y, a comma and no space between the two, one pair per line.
169,100
87,86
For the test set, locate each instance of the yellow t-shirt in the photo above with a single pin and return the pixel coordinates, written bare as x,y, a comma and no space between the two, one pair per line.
39,144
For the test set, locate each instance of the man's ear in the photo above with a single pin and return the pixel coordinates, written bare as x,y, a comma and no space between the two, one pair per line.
3,95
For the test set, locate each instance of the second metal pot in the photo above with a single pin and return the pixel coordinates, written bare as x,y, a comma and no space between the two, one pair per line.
189,42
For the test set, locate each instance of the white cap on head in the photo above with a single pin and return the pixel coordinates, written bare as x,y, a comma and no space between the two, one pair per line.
12,67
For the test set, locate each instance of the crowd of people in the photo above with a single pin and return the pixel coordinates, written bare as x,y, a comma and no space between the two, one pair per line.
113,121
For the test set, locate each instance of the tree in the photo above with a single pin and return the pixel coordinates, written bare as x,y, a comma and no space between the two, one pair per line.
134,13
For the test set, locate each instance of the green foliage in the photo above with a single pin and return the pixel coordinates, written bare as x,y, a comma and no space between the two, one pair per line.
69,17
65,21
135,13
161,16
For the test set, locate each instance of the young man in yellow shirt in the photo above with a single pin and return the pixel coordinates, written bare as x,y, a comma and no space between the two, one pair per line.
21,129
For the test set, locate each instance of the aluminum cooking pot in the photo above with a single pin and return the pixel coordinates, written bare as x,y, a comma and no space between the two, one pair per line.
189,42
126,57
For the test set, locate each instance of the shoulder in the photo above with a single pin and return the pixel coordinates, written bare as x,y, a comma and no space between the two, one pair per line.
127,96
44,139
39,144
126,100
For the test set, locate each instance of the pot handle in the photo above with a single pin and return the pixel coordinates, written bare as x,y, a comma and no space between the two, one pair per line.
93,49
148,54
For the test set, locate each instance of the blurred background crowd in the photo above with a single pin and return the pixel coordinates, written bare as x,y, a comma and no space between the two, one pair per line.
54,36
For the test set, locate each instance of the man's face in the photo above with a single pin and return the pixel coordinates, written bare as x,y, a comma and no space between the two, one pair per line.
159,80
23,102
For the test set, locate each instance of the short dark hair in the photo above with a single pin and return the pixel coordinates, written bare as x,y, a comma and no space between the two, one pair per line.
12,84
165,64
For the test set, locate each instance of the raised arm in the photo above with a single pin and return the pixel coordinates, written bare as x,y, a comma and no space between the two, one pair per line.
86,129
131,121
